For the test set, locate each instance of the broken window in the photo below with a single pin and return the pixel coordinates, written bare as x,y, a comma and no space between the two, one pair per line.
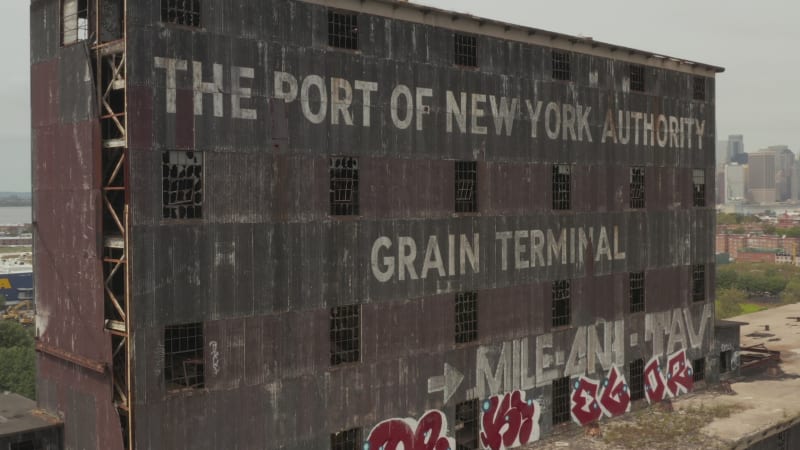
183,356
181,12
637,187
636,282
467,425
466,186
561,186
636,73
345,334
699,369
699,187
698,283
466,50
561,400
347,440
725,361
561,66
466,317
561,300
182,184
699,89
344,186
74,21
343,30
636,378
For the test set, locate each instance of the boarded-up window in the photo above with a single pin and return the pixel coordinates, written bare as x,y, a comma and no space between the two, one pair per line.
74,21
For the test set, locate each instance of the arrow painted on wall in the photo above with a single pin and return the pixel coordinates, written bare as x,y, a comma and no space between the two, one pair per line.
447,384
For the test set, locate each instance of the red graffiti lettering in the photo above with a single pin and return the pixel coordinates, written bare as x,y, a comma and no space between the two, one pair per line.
679,374
585,408
655,387
615,399
592,399
427,434
509,421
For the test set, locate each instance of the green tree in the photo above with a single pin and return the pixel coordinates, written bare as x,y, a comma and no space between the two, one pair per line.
13,334
17,359
728,303
769,229
792,292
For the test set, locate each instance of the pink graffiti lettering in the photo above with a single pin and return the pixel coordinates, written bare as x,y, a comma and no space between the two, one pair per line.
615,399
509,421
679,374
584,406
429,433
654,386
592,399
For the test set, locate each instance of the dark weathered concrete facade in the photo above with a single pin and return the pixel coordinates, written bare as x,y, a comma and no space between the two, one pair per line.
259,93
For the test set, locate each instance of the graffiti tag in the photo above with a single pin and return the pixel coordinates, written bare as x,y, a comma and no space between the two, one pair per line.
509,421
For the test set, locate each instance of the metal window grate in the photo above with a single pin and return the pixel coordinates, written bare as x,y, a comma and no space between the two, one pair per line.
699,91
345,334
698,283
182,185
636,378
561,400
699,187
466,317
344,186
343,30
466,50
699,369
561,186
561,66
636,281
74,21
637,187
637,77
347,440
183,356
466,186
467,425
561,300
181,12
725,361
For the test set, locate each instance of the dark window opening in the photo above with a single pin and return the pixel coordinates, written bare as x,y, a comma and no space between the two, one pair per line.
466,186
467,425
74,21
637,78
561,66
347,440
561,400
699,369
183,356
562,174
182,185
345,334
636,281
699,89
344,186
343,30
636,378
23,445
699,187
466,50
561,300
637,187
782,440
181,12
466,317
698,283
725,361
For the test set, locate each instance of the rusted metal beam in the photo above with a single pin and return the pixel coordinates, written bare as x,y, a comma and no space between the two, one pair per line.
79,360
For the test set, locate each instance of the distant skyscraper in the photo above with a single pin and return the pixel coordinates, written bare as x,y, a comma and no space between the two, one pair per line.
735,151
735,182
721,155
770,176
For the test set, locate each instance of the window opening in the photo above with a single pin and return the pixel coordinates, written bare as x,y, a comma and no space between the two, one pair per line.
347,440
699,187
561,300
345,334
182,184
181,12
725,361
561,66
561,186
561,400
636,281
466,50
74,21
183,356
699,89
698,283
466,186
343,30
637,78
466,317
344,186
637,187
467,425
636,377
699,369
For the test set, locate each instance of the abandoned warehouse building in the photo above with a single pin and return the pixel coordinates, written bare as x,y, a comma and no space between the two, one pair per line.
348,223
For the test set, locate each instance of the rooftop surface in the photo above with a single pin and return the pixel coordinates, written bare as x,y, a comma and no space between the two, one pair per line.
19,415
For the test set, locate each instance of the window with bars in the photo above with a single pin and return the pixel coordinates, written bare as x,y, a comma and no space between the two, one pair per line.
699,187
345,334
636,378
466,317
562,187
698,282
636,282
344,186
637,187
347,440
636,73
561,300
561,66
183,356
466,186
181,12
725,361
561,400
699,369
182,185
466,50
74,21
467,425
699,91
343,30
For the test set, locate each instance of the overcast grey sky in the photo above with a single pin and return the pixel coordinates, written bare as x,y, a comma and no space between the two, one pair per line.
757,43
